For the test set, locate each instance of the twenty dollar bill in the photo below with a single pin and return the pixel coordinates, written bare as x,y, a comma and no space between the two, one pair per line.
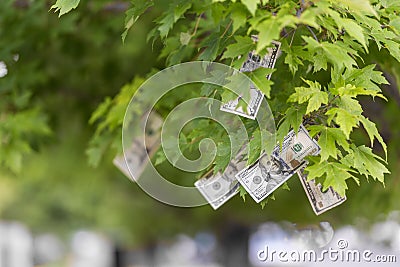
320,201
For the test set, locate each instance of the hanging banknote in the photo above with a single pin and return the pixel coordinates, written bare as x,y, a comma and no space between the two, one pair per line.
270,171
295,147
320,201
219,188
253,62
135,154
262,177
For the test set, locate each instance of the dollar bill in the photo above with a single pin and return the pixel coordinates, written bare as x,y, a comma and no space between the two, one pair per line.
253,62
263,177
136,156
320,201
219,188
295,147
270,171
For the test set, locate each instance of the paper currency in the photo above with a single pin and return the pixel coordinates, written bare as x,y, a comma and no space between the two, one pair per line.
269,172
295,147
264,176
252,63
320,201
135,155
220,188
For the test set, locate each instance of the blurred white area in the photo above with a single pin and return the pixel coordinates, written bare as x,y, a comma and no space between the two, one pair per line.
187,252
48,248
16,245
3,69
90,249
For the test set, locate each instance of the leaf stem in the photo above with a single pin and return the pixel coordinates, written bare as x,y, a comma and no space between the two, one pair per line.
291,40
227,28
312,32
197,24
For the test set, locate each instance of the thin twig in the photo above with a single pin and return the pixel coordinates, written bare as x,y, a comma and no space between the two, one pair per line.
312,32
286,34
227,28
291,40
197,24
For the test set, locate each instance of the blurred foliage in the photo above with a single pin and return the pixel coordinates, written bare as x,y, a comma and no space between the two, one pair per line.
65,72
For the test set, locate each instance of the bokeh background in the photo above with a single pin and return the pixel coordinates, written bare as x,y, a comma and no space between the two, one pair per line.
57,209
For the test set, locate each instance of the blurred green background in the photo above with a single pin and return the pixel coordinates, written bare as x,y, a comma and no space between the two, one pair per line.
59,70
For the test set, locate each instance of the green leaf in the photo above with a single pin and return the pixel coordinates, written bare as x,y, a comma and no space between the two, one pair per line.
353,91
315,102
13,160
373,133
166,24
285,186
97,147
395,24
242,193
223,157
180,8
269,30
239,17
269,141
295,56
251,5
133,14
237,81
368,164
328,139
394,48
355,31
175,12
316,170
321,61
358,6
312,94
185,38
335,175
160,157
366,78
242,47
351,105
308,17
212,46
282,131
336,53
265,201
259,78
294,116
218,13
65,6
101,110
255,147
344,119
